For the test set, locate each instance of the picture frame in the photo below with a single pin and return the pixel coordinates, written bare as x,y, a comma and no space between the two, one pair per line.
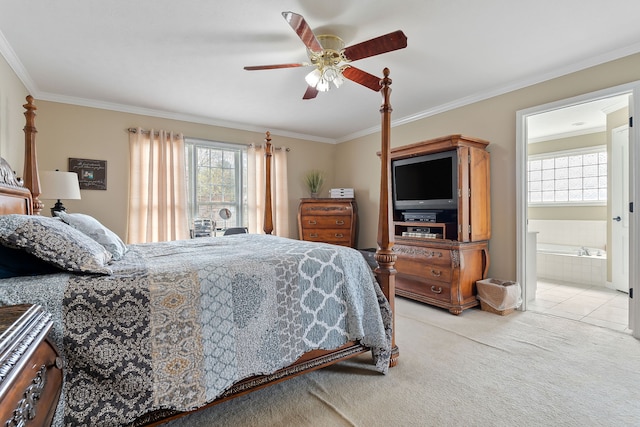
92,174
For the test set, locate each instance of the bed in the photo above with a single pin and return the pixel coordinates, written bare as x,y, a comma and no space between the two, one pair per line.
149,332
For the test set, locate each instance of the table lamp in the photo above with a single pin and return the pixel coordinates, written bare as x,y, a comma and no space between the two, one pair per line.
58,185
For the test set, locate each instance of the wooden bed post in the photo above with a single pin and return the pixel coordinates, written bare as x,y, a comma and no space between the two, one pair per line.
386,258
30,172
268,213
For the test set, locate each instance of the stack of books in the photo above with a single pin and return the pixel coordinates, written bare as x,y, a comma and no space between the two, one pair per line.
341,193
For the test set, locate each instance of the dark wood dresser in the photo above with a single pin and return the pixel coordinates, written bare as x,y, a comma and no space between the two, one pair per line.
328,220
30,367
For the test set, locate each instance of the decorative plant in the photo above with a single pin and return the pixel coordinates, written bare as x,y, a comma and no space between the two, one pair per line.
314,180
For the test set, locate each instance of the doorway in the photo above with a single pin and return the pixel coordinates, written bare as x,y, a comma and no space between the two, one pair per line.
526,259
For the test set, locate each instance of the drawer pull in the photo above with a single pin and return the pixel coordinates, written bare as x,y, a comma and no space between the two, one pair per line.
339,235
340,222
313,235
437,290
434,254
312,222
436,273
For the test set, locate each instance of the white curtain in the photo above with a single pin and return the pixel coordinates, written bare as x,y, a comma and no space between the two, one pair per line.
157,187
279,192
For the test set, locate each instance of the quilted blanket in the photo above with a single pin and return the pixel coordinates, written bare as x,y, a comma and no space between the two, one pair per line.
177,323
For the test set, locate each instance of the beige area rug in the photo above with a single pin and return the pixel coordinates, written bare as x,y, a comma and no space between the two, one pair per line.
476,369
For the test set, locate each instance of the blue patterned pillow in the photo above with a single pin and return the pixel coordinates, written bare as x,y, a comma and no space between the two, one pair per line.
55,242
98,232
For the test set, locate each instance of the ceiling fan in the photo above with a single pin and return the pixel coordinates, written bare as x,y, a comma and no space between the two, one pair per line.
332,60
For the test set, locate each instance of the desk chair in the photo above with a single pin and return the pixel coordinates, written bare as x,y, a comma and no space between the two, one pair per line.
235,230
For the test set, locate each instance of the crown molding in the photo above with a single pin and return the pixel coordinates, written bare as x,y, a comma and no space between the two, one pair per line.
481,96
52,97
16,65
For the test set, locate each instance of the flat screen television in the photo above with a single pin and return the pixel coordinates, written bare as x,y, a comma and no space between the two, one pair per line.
427,182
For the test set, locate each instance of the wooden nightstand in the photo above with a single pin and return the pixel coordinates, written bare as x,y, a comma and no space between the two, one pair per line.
30,367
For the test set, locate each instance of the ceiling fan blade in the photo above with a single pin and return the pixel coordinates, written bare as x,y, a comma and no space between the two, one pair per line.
303,31
276,66
311,93
387,43
362,77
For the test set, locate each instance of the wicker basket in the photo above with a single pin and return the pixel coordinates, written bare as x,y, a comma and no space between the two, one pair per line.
486,307
498,296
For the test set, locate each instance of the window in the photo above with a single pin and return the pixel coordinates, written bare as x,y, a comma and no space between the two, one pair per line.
216,179
575,177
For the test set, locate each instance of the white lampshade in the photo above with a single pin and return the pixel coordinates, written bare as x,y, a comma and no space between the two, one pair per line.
57,185
323,85
313,77
338,80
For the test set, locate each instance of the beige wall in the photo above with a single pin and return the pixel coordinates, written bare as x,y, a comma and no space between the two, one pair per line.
570,143
12,97
71,131
492,119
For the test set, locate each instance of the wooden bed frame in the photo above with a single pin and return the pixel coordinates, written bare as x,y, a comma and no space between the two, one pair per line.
23,198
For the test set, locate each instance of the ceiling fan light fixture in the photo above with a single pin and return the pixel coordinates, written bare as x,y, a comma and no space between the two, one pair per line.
321,77
323,85
338,80
313,78
330,73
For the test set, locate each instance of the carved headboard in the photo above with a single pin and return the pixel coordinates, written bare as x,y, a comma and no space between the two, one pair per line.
14,198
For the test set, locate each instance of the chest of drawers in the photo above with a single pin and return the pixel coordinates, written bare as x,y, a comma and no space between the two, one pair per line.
30,367
328,220
440,272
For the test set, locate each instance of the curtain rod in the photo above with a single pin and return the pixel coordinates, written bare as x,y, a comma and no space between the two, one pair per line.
135,130
273,148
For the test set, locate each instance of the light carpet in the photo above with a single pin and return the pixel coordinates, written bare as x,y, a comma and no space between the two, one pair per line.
475,369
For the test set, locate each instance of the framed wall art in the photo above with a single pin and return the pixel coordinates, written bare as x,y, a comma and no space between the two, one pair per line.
92,174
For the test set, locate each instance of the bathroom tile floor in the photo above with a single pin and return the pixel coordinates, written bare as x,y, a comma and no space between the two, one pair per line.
587,303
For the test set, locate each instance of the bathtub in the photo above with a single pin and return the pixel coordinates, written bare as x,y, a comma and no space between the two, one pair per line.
575,264
550,248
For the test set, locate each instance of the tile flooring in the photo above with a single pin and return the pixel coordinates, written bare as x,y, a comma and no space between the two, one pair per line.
587,303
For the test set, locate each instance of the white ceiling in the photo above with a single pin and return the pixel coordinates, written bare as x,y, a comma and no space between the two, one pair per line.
184,59
581,119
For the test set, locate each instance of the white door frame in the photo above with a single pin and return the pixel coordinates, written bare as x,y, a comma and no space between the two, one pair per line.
521,186
634,224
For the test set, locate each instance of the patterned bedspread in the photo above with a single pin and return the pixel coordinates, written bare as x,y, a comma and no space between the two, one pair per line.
179,322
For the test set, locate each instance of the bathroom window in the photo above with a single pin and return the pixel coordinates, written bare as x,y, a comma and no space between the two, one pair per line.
573,177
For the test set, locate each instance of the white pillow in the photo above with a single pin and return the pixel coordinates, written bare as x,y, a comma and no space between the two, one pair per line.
98,232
